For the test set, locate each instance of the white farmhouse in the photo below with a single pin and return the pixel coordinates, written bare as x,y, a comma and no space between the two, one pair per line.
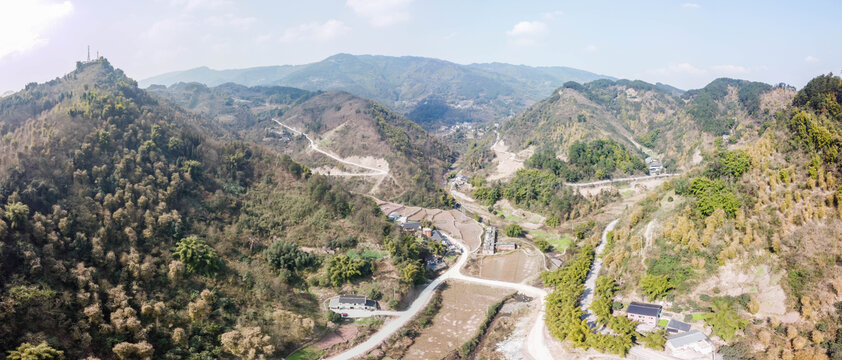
692,340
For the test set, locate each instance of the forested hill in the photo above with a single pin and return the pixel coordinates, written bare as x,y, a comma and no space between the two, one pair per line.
748,243
126,232
656,119
431,92
342,123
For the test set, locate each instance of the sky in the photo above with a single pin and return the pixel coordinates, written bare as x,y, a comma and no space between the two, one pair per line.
681,43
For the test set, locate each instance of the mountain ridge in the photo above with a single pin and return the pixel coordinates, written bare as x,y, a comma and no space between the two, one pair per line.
430,91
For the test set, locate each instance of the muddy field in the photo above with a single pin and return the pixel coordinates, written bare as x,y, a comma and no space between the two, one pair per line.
463,309
515,266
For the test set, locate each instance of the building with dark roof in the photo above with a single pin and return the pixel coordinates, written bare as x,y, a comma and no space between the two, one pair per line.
675,326
411,226
351,302
644,313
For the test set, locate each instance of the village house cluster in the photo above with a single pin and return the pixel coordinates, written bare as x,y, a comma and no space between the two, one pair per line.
490,246
426,234
682,338
655,166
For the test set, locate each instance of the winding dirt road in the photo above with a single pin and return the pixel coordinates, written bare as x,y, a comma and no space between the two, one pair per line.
535,344
374,171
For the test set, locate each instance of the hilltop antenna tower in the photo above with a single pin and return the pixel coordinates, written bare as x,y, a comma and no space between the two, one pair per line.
89,53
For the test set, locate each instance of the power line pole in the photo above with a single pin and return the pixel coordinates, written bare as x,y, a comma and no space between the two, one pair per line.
89,53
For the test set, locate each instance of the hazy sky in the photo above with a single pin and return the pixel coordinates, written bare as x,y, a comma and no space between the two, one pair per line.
685,44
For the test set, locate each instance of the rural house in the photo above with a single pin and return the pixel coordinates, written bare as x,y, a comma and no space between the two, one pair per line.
411,226
489,241
655,166
675,326
351,302
644,313
507,246
394,216
693,340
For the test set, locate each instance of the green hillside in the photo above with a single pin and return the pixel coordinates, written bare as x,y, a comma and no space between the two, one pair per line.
656,120
344,124
429,91
126,232
748,243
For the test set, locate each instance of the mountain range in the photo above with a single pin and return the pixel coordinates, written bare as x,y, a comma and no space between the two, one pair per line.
429,91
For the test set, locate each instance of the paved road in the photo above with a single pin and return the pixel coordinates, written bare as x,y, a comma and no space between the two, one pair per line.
590,282
535,344
397,323
374,171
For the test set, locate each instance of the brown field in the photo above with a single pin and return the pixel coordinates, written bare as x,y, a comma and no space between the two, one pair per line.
452,222
463,310
515,266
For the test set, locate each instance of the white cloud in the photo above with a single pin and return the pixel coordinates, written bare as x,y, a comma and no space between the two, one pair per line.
381,12
691,5
526,33
552,14
683,68
315,31
528,28
23,24
231,20
731,69
263,38
591,48
198,4
811,59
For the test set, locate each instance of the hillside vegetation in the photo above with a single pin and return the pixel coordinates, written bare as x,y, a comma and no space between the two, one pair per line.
656,120
770,208
128,233
431,92
344,124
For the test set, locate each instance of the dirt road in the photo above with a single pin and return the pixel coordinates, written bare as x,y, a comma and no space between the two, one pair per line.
590,282
628,179
374,171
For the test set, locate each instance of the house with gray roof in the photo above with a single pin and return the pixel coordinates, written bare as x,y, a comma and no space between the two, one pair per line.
675,326
351,302
411,226
690,341
644,313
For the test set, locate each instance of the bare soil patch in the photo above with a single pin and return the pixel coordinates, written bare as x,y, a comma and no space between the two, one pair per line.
507,163
758,281
515,266
344,333
463,309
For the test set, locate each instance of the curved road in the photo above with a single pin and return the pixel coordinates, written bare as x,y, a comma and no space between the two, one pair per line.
535,344
374,171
